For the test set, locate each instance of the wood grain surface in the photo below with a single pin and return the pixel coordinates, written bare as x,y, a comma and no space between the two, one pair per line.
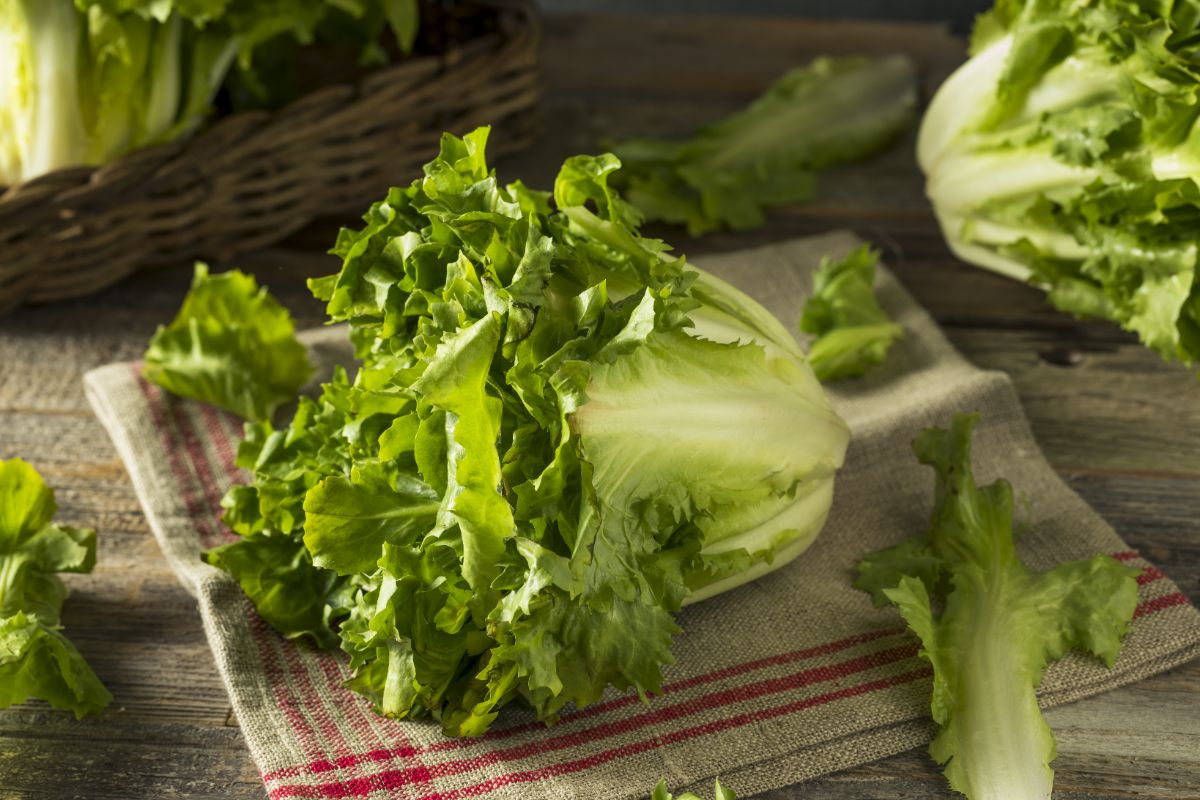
1120,426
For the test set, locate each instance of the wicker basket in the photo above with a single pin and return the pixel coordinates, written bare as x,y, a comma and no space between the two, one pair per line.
250,179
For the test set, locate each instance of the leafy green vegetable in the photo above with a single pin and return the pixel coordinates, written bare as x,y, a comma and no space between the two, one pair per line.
276,73
853,332
989,625
832,111
86,81
232,345
662,793
557,434
1066,152
36,660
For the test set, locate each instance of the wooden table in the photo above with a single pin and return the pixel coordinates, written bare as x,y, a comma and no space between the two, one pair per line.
1119,425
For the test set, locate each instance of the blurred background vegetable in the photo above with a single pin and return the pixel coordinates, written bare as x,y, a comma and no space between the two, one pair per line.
832,111
83,82
1066,153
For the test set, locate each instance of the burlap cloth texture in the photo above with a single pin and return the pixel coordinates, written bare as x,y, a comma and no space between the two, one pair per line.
792,676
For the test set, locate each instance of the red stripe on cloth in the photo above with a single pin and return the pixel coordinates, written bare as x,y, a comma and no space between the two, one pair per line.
272,666
217,426
287,701
200,468
217,423
184,481
663,714
1149,575
735,670
356,787
529,776
224,430
1147,607
335,790
309,694
305,689
667,714
1159,603
408,751
407,776
1127,555
218,436
354,708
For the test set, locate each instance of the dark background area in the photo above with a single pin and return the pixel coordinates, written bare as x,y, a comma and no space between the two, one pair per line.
958,13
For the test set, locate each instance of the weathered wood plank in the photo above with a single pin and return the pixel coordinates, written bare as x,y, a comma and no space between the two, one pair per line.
713,56
1116,409
52,757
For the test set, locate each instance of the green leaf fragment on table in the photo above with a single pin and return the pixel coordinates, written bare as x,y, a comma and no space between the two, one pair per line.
853,333
36,660
833,111
232,345
662,793
989,625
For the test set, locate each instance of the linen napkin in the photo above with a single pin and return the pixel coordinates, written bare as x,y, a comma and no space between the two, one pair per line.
787,678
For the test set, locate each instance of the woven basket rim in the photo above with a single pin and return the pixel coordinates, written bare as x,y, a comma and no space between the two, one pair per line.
62,182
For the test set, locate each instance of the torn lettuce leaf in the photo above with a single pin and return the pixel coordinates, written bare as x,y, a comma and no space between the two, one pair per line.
36,660
232,345
661,792
853,333
832,111
989,625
